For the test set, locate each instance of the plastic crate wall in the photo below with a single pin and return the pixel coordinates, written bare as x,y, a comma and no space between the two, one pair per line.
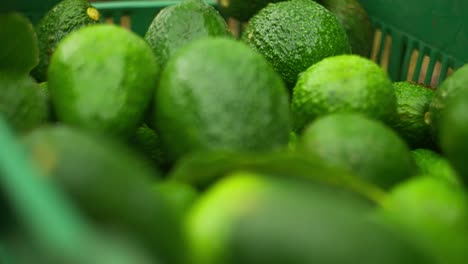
419,40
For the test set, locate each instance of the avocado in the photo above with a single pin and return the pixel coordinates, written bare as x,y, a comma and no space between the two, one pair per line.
110,184
412,107
18,46
431,163
292,144
102,78
453,125
202,170
64,18
44,92
260,219
148,142
365,147
448,89
177,25
179,195
434,213
343,84
242,10
104,247
21,102
293,35
218,94
355,21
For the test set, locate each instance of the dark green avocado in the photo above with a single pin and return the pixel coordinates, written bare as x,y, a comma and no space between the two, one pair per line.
293,35
449,89
110,184
412,106
177,25
18,45
21,102
355,21
64,18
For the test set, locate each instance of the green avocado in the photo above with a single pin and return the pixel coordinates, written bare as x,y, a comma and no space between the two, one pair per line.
430,163
179,195
102,78
413,102
177,25
262,219
448,90
64,18
365,147
343,84
293,35
218,94
202,170
110,184
148,142
18,45
355,21
453,125
22,103
44,91
434,213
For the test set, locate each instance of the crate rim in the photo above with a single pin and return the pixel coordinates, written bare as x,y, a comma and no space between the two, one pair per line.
118,5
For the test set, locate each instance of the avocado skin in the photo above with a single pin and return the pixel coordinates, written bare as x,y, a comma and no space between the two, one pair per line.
177,25
413,102
454,131
355,21
260,219
365,147
19,47
64,18
21,102
110,184
449,89
217,94
433,164
294,35
343,84
101,78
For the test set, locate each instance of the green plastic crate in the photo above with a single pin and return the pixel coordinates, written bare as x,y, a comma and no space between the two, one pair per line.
417,40
428,37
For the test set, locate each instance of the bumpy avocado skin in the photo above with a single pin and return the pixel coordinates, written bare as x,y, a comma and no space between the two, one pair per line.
412,106
177,25
102,78
232,101
346,83
293,35
355,21
21,102
64,18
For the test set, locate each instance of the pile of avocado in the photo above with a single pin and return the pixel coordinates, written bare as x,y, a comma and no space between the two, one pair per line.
287,145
